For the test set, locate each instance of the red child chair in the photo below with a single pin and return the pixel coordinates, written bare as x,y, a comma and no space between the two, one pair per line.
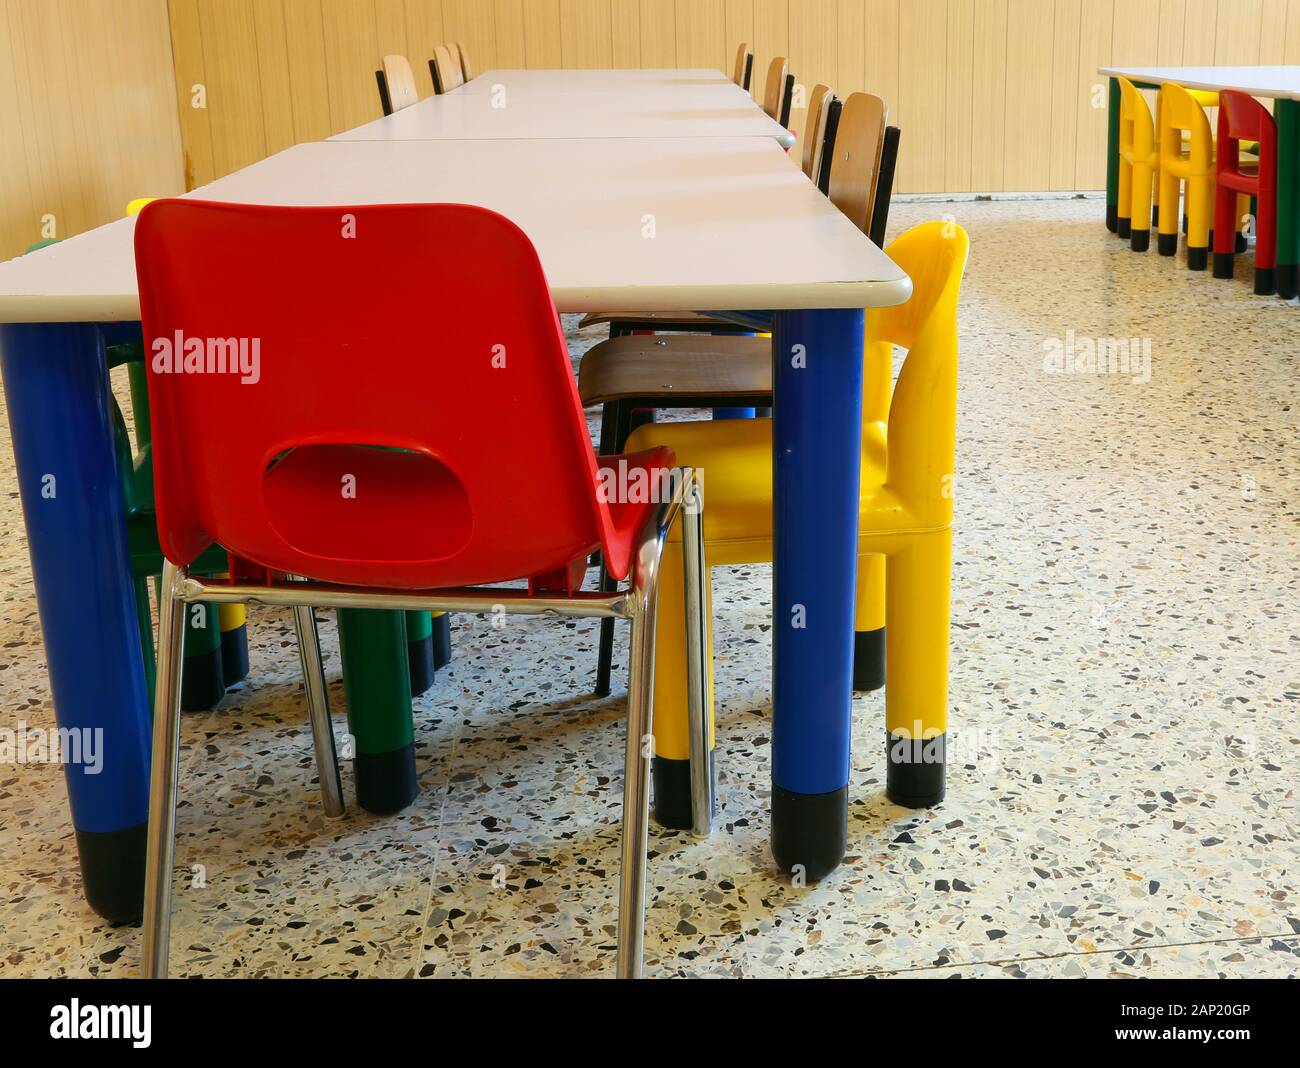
349,365
1243,118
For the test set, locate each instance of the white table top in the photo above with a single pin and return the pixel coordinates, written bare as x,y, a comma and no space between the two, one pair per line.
1276,82
737,226
587,81
670,109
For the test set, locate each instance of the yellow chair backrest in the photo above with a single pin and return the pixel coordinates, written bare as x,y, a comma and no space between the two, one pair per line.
1136,130
923,413
814,133
133,207
1179,111
401,82
462,57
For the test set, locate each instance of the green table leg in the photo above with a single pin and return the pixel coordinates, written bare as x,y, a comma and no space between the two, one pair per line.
1287,114
419,651
376,678
1112,158
203,683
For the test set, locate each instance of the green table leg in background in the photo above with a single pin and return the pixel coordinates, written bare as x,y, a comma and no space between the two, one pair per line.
1112,158
419,651
376,678
1287,114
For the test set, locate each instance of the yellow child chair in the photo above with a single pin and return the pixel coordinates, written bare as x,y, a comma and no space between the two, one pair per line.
1186,155
1139,166
904,518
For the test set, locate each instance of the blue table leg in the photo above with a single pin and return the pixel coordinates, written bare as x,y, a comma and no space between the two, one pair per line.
60,413
817,382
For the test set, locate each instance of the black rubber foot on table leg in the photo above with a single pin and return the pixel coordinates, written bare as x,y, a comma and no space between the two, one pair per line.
1265,283
386,781
1223,262
1197,258
1287,276
672,791
1124,228
112,871
809,831
234,656
868,659
202,683
1112,217
442,640
1139,240
419,659
916,770
1167,244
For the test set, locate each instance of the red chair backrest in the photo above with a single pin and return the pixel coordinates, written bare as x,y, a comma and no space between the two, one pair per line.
371,337
1243,118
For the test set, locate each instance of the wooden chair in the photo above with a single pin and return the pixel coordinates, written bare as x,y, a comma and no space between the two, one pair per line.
779,90
467,70
396,84
446,70
744,66
814,135
660,372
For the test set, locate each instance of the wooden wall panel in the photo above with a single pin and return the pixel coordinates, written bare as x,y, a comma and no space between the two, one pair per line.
88,114
993,95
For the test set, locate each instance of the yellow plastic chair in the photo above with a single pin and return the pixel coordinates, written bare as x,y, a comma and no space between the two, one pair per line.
1186,157
905,516
1139,165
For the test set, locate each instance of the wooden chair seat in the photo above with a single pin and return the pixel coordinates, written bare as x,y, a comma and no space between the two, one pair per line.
650,367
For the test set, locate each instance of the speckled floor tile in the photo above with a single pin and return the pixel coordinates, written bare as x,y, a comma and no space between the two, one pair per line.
1124,691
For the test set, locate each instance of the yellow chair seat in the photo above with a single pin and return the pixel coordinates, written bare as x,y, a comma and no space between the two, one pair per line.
735,456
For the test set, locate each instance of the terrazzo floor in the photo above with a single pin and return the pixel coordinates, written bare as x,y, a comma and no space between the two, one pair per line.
1125,695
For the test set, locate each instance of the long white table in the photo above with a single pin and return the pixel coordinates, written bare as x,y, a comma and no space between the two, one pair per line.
629,111
734,224
1278,83
593,81
687,222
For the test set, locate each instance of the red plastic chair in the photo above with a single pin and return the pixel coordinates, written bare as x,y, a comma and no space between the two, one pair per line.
1243,118
407,432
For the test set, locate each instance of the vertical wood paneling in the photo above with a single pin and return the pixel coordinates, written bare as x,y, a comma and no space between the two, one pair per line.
88,114
993,95
424,34
921,88
586,34
1095,28
701,29
1065,115
542,33
988,94
658,33
959,115
625,24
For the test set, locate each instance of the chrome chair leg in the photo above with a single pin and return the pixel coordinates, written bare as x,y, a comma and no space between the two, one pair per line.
163,777
318,710
636,796
695,570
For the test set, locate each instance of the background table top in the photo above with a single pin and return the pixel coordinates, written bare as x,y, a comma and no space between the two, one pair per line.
1276,82
587,81
671,108
658,224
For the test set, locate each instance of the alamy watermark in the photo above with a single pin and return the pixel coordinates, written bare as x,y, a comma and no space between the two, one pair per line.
64,745
1076,355
181,355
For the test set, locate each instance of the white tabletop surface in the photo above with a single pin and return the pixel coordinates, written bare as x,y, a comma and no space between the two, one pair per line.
736,225
586,81
672,109
1274,82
